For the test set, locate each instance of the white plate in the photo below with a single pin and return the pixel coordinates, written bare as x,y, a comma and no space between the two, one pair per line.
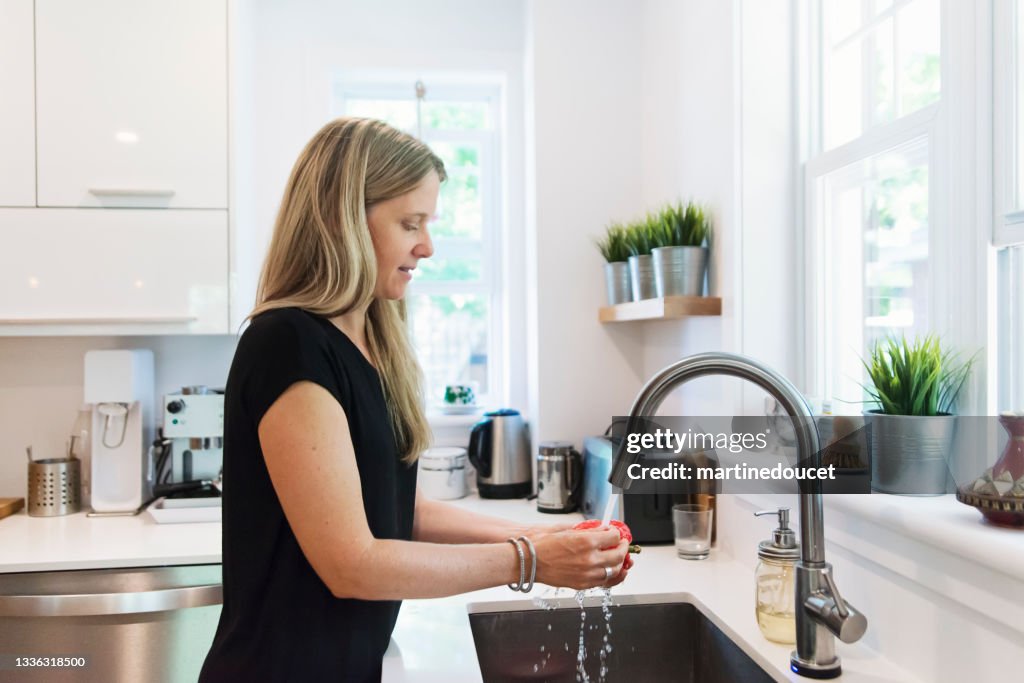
460,410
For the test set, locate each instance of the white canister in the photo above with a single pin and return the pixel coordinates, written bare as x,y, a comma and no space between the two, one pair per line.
442,473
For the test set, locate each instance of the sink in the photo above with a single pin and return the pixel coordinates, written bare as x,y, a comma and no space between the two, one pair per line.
658,637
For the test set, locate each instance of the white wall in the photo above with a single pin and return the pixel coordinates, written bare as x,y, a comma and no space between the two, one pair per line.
583,66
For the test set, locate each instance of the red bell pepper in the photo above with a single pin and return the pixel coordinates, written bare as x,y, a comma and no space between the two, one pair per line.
624,532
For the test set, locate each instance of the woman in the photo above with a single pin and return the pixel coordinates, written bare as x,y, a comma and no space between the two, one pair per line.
324,530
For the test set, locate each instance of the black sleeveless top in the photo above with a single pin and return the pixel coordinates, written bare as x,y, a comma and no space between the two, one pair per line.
279,621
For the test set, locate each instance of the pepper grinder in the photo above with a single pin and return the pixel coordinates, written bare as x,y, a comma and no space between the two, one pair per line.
775,581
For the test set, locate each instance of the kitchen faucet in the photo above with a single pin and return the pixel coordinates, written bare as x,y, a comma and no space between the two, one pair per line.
821,611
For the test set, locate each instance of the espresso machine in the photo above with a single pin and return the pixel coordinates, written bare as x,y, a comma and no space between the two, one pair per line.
119,386
190,454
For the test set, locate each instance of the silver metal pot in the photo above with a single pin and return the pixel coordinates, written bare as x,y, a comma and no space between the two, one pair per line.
617,282
641,274
679,271
910,453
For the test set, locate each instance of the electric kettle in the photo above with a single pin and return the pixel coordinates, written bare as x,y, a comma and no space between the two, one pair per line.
499,448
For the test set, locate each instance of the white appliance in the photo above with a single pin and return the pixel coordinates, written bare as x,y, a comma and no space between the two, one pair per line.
119,385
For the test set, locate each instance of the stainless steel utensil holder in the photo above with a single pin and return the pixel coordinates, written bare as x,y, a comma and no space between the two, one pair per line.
54,487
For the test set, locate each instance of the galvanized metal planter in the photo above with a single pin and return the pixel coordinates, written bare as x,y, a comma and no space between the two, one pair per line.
910,454
617,282
641,273
679,271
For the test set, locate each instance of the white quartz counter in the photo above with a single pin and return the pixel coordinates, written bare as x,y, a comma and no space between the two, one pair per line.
40,544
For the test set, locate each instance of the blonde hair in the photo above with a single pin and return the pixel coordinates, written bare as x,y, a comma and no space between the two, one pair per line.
321,256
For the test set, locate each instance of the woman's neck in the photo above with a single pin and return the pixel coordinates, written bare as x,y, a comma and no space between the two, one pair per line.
353,324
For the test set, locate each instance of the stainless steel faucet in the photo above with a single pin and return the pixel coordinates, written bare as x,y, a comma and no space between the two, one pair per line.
821,611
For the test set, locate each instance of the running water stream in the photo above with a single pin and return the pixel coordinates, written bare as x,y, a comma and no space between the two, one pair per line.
606,604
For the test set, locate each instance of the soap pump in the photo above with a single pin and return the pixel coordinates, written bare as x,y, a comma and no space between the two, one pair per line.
775,581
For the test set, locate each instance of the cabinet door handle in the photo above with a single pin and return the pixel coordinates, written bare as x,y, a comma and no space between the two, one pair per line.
138,320
130,192
98,604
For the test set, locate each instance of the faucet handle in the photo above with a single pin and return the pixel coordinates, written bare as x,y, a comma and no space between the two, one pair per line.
838,616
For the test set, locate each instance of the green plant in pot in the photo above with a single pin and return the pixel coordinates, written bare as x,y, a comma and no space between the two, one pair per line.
681,257
915,385
615,250
639,238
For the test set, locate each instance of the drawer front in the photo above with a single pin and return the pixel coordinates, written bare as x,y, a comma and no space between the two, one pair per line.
113,272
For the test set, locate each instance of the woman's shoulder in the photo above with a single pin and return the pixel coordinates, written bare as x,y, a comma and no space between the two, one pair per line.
283,330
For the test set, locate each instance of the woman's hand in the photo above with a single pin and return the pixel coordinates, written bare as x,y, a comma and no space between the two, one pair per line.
575,559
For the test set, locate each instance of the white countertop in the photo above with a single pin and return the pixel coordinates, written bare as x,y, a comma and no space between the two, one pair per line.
39,544
432,640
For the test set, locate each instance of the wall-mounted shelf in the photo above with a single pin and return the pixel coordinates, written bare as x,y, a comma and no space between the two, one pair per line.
664,308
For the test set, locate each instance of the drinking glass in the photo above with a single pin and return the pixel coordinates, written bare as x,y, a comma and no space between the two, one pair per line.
692,525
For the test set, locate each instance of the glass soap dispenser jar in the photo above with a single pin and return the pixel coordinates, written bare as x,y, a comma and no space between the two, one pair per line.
776,581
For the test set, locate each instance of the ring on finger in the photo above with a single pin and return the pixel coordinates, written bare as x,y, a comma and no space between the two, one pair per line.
608,574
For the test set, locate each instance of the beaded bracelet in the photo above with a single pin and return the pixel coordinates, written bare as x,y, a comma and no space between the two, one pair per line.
533,565
522,565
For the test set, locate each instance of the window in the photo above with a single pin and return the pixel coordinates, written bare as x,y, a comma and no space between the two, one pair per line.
1008,231
454,301
868,187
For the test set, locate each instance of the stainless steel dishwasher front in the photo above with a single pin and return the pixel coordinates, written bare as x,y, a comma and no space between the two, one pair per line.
152,624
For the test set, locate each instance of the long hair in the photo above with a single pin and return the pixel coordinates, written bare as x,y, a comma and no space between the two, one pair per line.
321,256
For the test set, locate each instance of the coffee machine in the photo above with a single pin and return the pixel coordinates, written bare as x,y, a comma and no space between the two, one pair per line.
119,387
190,455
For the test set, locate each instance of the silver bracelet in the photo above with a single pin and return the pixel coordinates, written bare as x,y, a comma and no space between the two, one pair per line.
533,565
522,565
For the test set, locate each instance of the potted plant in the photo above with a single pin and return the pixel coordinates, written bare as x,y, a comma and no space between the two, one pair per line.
614,249
680,260
916,385
641,272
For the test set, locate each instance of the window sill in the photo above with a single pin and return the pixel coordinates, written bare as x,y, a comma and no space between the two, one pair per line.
935,542
440,420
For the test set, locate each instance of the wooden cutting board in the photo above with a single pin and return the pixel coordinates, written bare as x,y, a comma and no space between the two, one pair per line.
8,506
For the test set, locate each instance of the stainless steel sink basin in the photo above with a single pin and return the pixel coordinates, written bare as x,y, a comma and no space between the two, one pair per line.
658,637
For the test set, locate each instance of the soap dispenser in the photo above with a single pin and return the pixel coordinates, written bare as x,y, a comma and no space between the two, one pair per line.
776,581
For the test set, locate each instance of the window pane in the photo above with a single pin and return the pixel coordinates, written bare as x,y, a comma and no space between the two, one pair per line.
1019,50
844,111
457,156
1011,328
877,223
450,336
459,208
399,113
440,269
842,17
880,50
918,42
456,115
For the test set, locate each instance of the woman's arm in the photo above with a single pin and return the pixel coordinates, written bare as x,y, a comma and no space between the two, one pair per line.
311,460
439,522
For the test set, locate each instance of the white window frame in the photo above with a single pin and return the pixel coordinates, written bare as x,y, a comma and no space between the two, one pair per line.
961,308
448,87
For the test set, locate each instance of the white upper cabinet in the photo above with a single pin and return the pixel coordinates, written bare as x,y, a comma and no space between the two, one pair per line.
17,113
131,103
83,271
